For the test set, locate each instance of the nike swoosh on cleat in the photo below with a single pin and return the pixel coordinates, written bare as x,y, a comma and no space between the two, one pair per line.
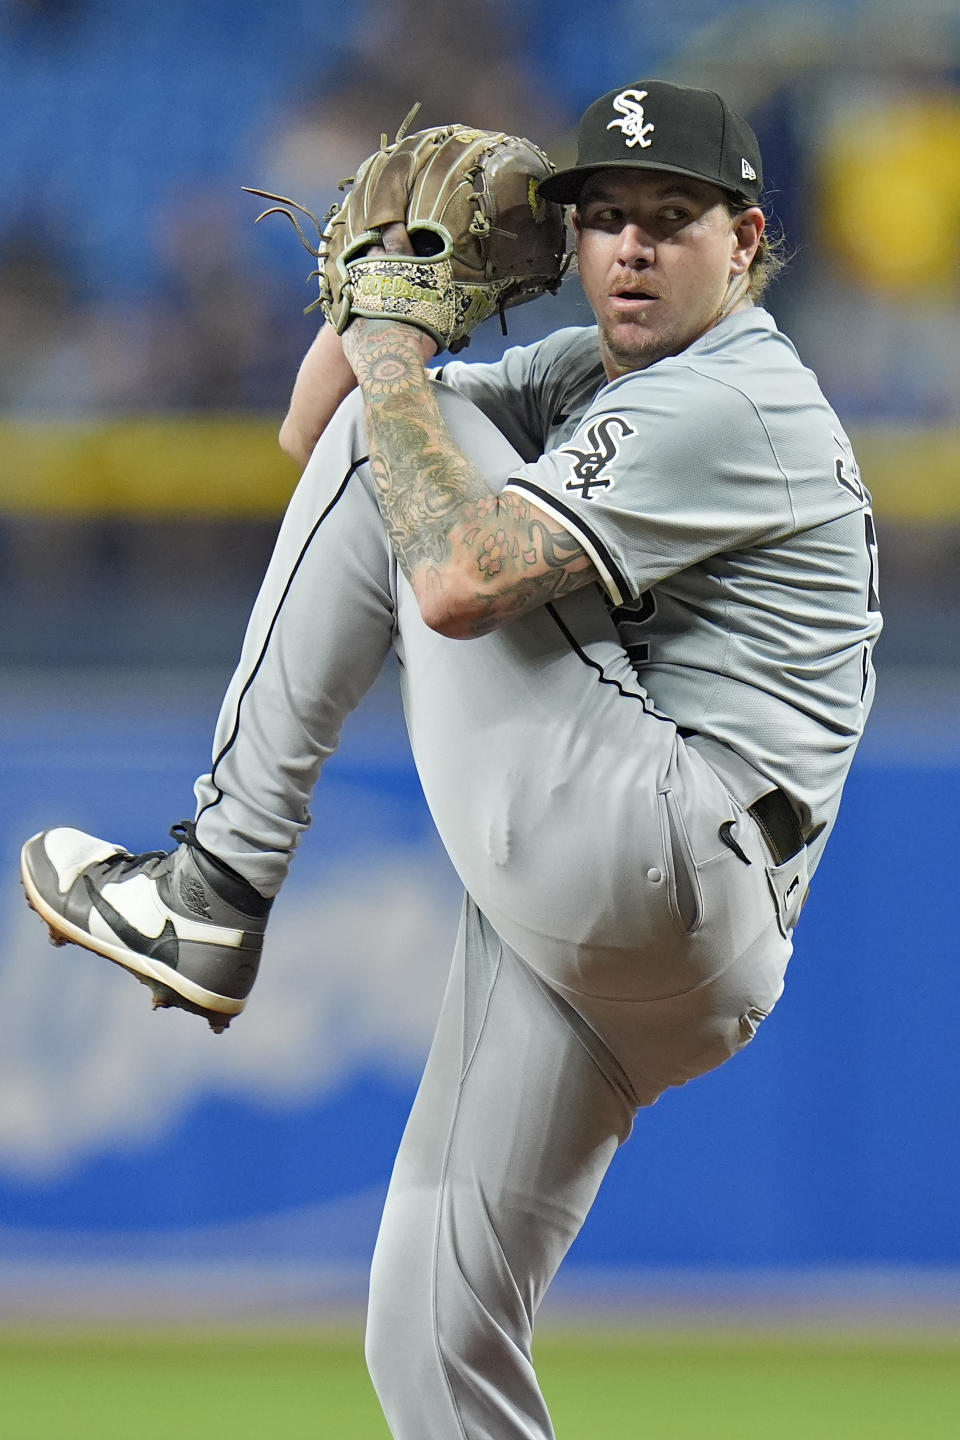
164,947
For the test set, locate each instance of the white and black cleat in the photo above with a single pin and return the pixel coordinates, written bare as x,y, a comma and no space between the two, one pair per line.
182,922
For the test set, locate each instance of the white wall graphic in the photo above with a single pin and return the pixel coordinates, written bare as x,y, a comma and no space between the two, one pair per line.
353,973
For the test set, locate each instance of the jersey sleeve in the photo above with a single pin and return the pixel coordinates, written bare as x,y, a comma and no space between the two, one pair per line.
522,391
666,468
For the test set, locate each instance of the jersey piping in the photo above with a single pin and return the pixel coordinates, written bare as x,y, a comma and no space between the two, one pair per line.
615,582
602,677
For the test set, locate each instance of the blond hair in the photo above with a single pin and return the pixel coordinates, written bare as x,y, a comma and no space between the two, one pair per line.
771,259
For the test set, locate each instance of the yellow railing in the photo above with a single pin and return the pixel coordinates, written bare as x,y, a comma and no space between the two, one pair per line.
233,466
163,467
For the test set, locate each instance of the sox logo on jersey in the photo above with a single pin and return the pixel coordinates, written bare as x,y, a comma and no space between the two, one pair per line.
636,130
587,464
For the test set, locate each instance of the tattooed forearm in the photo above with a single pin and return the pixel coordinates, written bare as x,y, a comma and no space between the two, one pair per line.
532,563
421,479
558,547
487,557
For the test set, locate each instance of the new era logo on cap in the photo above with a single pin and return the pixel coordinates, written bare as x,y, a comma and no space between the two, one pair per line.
656,125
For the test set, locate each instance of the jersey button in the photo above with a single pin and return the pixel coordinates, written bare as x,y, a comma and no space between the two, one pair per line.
654,875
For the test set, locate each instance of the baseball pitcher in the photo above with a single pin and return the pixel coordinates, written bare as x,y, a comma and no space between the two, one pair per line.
630,575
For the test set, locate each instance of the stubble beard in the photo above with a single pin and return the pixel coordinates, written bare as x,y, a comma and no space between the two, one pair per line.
632,347
637,350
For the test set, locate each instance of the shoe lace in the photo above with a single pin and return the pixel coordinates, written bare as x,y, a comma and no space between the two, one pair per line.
123,862
185,833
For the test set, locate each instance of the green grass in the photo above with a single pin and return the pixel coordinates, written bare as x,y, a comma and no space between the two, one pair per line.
602,1385
704,1387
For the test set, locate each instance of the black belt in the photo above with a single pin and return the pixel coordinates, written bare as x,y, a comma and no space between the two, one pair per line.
775,816
778,821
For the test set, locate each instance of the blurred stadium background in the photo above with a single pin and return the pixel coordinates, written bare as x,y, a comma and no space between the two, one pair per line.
149,335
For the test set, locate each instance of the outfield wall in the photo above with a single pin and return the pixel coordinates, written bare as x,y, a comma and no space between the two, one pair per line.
131,1137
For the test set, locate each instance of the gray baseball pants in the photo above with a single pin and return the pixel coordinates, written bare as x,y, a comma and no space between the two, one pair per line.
611,945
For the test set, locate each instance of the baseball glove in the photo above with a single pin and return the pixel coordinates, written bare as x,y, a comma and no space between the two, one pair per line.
482,236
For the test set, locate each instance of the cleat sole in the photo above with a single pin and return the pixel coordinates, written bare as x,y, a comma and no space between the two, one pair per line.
166,999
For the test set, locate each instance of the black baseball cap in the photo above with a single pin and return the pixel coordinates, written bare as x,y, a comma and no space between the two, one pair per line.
655,125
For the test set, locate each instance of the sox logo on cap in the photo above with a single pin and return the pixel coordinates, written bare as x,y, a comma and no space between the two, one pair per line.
635,129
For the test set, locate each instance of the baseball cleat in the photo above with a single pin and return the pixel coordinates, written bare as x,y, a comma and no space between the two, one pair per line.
180,921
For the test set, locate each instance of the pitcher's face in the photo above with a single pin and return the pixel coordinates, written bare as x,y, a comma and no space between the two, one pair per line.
661,259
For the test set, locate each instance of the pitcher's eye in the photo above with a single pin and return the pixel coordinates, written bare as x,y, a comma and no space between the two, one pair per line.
603,215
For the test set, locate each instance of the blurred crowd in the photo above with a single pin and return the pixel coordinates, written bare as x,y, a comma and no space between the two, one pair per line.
134,281
131,276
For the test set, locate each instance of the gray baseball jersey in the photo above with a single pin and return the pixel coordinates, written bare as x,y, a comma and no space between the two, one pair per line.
718,496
